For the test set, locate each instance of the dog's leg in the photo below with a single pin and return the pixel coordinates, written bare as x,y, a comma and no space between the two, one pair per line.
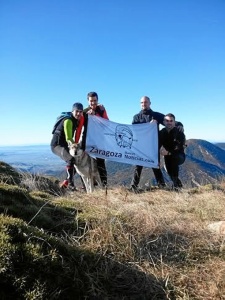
91,178
89,183
86,183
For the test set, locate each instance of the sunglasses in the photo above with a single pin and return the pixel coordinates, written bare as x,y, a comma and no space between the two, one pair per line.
168,120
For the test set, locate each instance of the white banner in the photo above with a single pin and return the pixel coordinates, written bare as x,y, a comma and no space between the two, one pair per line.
132,144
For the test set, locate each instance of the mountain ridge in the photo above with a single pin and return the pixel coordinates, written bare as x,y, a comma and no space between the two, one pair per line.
205,163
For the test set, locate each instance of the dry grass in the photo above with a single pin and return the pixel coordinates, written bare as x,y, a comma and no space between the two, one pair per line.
160,233
118,245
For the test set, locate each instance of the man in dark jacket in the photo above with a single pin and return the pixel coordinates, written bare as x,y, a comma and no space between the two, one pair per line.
144,116
172,143
64,132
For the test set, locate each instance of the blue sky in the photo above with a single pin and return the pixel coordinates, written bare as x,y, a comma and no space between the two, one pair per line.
53,53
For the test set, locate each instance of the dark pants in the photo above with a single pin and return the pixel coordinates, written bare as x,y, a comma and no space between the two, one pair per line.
102,170
137,176
64,154
172,163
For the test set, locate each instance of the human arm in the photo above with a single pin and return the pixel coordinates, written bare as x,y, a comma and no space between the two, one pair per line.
164,152
101,112
179,126
136,119
84,134
180,141
105,115
158,117
68,130
79,129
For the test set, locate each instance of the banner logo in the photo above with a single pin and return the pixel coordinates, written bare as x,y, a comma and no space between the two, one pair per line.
124,136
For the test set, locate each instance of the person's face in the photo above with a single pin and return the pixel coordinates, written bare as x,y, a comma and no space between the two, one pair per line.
145,103
169,122
93,102
77,114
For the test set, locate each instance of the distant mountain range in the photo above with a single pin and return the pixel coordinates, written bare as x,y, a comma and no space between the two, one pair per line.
205,163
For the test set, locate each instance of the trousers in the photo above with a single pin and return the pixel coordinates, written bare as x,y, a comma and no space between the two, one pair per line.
137,176
102,170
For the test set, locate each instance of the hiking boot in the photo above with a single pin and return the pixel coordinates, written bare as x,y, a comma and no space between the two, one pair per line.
177,189
64,184
71,187
162,186
135,189
83,189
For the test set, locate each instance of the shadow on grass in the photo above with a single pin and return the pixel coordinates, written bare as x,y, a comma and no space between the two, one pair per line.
35,265
169,247
38,264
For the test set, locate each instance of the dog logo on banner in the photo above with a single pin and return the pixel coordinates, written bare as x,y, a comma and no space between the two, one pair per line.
124,136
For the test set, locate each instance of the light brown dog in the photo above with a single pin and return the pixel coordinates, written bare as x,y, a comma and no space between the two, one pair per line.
85,166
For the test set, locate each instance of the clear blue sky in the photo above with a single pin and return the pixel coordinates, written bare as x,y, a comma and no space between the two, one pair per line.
53,53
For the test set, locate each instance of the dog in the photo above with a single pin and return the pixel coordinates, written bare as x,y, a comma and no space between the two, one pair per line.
85,166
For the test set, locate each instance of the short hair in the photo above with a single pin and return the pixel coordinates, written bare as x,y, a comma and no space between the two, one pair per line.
170,116
147,98
92,94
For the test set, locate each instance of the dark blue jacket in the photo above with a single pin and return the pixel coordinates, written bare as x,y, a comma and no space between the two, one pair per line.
146,115
173,140
58,138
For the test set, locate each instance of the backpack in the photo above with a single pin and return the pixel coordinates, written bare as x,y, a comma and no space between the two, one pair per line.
63,115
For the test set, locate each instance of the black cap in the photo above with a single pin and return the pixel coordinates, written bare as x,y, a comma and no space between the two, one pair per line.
77,106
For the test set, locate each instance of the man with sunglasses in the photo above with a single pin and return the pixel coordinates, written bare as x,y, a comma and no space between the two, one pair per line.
144,116
172,143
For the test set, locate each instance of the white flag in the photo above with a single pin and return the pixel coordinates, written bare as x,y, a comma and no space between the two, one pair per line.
132,144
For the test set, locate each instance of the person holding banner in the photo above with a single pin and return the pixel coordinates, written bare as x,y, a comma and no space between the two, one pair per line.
144,116
172,144
98,110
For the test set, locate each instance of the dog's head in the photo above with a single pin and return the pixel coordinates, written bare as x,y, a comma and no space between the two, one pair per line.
74,149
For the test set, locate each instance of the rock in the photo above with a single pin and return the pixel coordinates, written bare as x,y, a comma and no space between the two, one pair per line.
217,227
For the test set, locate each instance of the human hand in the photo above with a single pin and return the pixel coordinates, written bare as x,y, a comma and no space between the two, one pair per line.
154,121
70,142
91,112
163,151
101,106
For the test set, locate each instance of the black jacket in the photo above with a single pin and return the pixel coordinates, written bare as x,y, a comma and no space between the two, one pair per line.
58,138
173,140
145,116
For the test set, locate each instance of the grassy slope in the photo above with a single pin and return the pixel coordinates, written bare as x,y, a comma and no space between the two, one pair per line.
153,245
